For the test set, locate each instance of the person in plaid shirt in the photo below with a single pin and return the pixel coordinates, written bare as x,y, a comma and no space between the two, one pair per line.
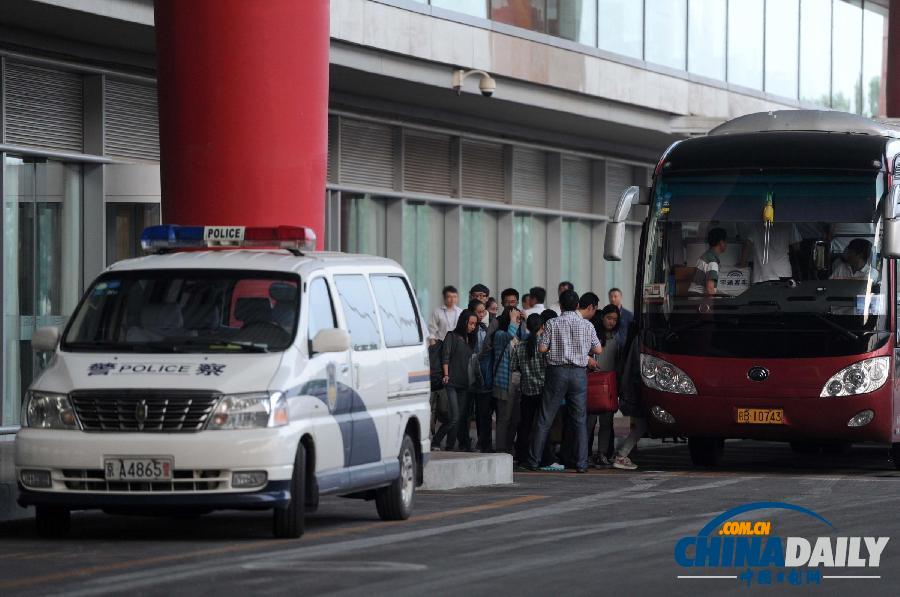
531,364
568,341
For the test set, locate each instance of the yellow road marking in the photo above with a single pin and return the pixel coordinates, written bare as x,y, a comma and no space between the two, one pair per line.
31,581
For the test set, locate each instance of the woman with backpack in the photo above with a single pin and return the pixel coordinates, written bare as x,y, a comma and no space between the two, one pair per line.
456,354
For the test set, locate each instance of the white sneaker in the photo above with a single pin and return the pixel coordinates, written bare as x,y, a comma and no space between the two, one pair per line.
555,467
624,463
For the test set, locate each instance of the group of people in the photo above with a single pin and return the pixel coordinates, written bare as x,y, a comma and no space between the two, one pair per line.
522,369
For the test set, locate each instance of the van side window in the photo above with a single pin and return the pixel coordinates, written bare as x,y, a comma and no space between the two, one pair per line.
321,310
398,315
359,311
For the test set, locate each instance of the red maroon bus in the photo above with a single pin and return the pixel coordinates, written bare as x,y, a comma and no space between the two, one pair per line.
766,293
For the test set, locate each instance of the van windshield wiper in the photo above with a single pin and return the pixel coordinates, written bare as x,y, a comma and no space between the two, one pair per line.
121,346
222,344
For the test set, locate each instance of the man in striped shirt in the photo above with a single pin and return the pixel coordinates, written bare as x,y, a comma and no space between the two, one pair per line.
568,341
706,278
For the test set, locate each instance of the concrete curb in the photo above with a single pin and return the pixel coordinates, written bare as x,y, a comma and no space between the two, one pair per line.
454,470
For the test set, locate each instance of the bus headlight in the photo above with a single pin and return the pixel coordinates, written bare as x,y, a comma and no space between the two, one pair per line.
250,411
48,411
658,374
859,378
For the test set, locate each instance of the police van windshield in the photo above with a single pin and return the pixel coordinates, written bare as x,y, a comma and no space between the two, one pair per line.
186,311
765,265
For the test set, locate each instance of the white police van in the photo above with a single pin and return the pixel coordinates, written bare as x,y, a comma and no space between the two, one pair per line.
195,380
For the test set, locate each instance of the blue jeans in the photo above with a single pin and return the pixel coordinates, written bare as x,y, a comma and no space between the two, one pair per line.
569,383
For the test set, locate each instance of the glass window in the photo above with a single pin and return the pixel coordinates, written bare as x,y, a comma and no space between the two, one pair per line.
528,14
476,8
707,20
573,19
874,45
815,51
745,43
478,250
782,23
665,28
124,224
42,271
620,25
529,251
321,310
576,253
359,311
398,316
363,225
847,57
423,252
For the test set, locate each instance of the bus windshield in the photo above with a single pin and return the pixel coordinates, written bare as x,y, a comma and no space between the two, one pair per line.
186,311
761,264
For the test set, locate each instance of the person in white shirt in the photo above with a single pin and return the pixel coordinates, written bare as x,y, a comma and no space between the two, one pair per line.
444,318
563,286
538,295
781,237
854,264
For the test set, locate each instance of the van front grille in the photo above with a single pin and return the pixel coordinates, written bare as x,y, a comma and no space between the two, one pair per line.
143,411
182,480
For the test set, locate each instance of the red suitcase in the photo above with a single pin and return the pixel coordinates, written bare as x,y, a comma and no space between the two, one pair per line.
602,394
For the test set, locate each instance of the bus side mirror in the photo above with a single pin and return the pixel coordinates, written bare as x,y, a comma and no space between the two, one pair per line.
45,339
331,340
891,239
614,245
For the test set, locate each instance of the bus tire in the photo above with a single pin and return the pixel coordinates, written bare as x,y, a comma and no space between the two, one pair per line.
895,455
395,502
705,451
289,521
52,522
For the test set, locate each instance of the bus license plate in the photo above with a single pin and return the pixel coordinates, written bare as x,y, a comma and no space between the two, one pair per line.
761,416
139,468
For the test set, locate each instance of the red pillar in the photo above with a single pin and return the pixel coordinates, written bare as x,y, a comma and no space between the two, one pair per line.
243,111
892,69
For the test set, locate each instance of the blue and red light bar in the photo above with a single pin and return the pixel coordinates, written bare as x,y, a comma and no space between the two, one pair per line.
159,239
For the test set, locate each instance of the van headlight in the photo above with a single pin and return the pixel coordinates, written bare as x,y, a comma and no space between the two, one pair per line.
661,375
250,411
858,378
42,410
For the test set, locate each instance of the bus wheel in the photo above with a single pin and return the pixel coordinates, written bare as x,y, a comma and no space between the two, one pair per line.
705,451
895,455
288,522
395,502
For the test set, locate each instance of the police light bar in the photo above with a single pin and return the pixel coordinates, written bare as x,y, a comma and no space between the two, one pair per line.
160,239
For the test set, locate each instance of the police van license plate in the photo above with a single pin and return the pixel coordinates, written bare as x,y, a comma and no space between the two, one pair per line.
141,468
761,416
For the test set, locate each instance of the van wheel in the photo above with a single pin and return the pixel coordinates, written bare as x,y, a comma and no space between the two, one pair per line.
288,522
706,451
395,502
52,522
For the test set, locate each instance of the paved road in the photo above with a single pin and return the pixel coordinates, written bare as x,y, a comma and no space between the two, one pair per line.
549,534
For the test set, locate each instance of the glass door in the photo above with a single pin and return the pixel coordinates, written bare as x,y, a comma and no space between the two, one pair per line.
41,263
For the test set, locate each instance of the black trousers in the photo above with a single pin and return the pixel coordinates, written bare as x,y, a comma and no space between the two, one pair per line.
485,405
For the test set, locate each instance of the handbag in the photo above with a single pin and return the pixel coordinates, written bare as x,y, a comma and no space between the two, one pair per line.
602,394
476,379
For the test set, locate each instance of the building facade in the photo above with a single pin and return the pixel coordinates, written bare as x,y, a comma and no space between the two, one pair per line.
509,190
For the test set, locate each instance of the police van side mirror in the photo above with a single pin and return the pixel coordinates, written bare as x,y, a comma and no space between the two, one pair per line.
45,339
331,340
614,245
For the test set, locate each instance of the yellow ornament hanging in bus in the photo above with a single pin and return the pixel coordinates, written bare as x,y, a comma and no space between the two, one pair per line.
768,220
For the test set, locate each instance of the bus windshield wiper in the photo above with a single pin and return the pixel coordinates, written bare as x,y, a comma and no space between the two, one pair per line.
835,325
